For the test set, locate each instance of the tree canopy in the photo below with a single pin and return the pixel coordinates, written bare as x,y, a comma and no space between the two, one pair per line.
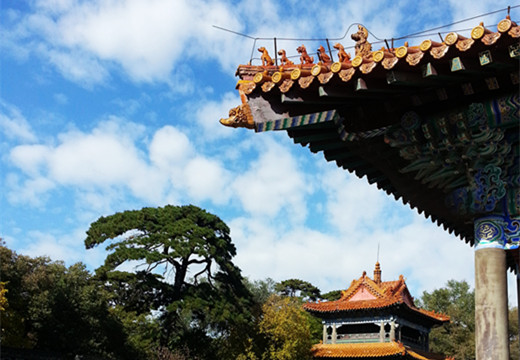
185,270
178,238
287,328
456,338
56,308
298,288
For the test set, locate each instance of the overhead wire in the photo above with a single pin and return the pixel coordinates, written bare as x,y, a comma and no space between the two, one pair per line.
427,32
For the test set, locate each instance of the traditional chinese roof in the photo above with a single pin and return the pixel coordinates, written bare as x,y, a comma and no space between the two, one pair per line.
433,123
388,350
365,294
456,53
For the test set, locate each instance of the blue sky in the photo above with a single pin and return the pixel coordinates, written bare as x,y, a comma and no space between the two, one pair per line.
113,105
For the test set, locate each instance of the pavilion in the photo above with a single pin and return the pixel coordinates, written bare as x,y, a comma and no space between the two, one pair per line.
434,123
375,318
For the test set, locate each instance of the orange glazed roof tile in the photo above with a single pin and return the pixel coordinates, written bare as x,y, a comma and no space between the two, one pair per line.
365,293
358,350
284,76
371,350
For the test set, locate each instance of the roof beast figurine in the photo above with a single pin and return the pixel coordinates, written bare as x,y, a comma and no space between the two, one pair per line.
363,47
304,57
266,59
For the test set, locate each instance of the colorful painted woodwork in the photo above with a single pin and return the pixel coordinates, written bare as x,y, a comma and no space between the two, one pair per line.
435,125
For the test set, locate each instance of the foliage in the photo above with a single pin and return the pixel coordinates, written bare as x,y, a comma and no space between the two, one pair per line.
3,298
186,273
331,295
285,325
179,239
457,338
299,288
261,289
55,308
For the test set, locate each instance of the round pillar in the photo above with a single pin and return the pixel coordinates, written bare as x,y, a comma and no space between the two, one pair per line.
324,334
392,331
491,310
334,334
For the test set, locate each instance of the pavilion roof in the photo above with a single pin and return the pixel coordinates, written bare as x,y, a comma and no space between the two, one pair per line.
367,294
427,122
388,350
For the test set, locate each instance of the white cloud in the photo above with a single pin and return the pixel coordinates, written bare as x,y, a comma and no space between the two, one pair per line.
30,158
150,40
330,261
208,179
13,124
170,148
351,202
103,158
211,111
33,190
111,157
77,66
273,183
98,158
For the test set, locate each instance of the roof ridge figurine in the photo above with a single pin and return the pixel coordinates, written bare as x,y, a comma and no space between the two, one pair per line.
304,57
342,54
363,47
322,55
266,59
284,59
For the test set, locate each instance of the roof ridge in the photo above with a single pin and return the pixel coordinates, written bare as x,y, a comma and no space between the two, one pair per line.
370,284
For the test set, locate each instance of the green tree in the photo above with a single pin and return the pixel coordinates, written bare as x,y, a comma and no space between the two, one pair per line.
261,289
331,295
286,326
3,298
456,338
55,308
186,272
298,288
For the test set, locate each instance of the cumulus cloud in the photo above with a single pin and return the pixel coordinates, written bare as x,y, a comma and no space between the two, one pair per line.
208,179
211,111
170,148
33,190
342,188
147,40
150,40
103,158
110,157
13,124
330,260
273,182
63,247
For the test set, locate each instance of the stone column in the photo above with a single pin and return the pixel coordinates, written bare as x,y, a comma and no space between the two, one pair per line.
392,331
491,310
334,334
324,333
382,332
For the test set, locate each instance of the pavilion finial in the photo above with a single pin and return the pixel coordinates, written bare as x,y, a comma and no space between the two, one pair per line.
377,274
